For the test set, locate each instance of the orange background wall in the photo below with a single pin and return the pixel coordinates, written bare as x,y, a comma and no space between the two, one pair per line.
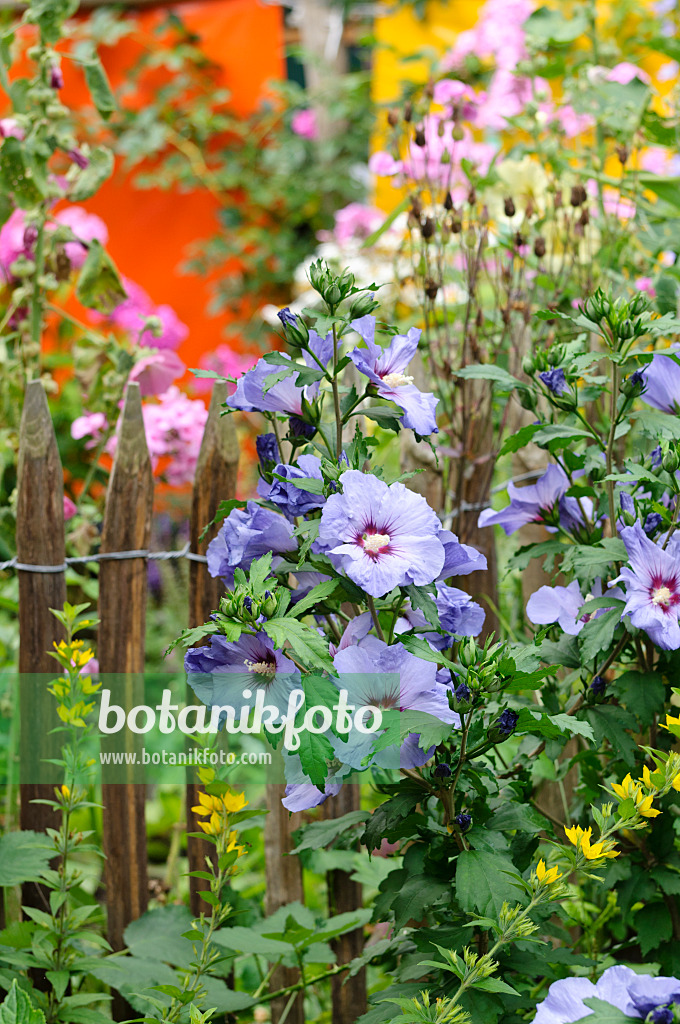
149,230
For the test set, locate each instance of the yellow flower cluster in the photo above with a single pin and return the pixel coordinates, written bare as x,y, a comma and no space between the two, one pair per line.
638,793
580,838
219,808
672,725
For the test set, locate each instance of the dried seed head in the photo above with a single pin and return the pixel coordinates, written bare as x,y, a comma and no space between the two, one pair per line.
578,196
509,207
393,118
419,137
431,289
539,247
408,111
428,228
448,201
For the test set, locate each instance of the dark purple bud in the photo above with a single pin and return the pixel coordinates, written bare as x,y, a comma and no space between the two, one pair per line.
464,822
30,236
555,380
627,503
79,158
342,459
662,1015
286,317
267,449
56,77
462,692
656,456
507,723
298,427
652,523
598,686
442,771
248,604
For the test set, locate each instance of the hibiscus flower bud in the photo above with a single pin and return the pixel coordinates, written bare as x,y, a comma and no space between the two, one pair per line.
298,428
461,700
362,305
598,686
269,603
463,821
248,608
267,449
503,726
294,328
670,461
528,365
442,771
634,385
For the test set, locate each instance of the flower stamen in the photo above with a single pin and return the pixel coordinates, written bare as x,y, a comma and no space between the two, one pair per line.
375,542
662,596
397,380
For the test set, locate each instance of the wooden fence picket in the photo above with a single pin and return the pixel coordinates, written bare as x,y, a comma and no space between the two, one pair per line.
122,611
40,541
215,481
120,650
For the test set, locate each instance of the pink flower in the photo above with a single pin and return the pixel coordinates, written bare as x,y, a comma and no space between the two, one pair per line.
10,127
617,206
303,123
155,373
90,424
573,124
646,284
450,90
69,508
383,164
655,160
625,72
131,314
440,158
12,243
227,363
86,227
91,668
356,221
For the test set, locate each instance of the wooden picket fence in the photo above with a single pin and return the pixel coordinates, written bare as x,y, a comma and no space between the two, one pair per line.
120,649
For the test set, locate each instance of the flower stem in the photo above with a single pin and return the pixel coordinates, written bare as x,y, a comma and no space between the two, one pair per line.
336,396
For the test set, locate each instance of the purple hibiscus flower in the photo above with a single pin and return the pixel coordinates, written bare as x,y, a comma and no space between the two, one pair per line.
284,396
224,672
458,613
293,501
459,559
385,369
652,587
662,384
562,604
246,534
528,504
390,678
619,986
383,536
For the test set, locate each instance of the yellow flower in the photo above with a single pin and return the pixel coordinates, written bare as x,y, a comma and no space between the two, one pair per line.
233,845
65,791
625,789
672,724
546,876
633,791
580,838
234,802
207,804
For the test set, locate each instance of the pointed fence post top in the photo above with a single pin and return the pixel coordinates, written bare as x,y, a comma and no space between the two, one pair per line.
219,436
37,431
131,447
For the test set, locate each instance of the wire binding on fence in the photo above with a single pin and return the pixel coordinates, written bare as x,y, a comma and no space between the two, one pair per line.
105,556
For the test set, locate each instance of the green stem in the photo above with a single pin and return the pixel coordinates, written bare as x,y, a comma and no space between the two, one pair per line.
370,603
336,397
610,447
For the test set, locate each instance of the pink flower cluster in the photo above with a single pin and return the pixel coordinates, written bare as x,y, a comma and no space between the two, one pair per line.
173,426
355,221
439,159
17,238
131,314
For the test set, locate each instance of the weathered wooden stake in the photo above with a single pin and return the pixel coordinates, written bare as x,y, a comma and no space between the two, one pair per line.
122,610
344,896
283,877
40,541
215,481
